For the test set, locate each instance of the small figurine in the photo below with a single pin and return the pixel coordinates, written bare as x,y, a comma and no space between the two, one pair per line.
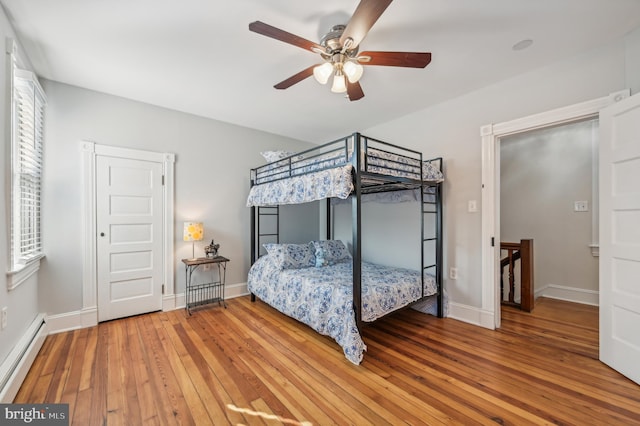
211,250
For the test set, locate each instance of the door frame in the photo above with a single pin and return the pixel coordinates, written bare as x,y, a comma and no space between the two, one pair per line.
90,152
491,134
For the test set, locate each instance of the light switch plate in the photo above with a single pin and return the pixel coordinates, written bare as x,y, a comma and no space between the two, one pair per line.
581,206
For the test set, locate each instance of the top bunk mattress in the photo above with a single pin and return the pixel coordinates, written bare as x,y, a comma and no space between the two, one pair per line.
326,171
376,157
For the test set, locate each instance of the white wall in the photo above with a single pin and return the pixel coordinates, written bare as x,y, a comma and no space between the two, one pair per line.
22,302
542,174
452,130
211,181
385,232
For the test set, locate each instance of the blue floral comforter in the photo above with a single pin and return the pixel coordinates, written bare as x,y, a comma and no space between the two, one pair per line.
328,183
322,297
317,178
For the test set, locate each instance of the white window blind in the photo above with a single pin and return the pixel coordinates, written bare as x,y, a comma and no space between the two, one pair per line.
28,111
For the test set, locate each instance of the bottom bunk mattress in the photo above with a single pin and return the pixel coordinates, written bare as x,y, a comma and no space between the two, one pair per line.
322,297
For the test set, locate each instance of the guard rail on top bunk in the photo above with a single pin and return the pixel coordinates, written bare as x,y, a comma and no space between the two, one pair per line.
368,177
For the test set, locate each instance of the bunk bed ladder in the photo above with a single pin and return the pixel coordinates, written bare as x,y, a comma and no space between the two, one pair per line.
273,235
258,234
433,206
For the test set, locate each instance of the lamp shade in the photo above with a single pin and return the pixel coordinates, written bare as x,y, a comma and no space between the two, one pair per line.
193,231
322,72
339,84
353,70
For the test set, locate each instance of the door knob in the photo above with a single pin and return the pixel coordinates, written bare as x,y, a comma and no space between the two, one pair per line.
102,234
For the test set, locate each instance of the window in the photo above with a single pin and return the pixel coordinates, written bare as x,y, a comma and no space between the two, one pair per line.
27,134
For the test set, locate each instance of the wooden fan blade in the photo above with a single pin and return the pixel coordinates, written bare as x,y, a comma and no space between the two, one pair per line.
278,34
296,78
397,59
366,14
354,90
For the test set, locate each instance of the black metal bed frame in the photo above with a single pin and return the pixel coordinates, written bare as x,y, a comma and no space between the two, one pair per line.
336,153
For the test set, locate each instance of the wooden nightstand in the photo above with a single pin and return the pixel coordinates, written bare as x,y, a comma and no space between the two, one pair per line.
207,292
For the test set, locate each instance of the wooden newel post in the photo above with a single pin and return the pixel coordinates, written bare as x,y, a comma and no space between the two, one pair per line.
526,275
512,277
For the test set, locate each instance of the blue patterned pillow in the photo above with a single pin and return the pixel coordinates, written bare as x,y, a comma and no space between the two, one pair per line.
291,256
330,252
431,172
273,156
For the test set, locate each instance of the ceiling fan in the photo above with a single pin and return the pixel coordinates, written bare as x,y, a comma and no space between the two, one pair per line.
339,51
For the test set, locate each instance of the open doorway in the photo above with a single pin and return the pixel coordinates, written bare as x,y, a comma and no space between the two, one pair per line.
549,194
491,140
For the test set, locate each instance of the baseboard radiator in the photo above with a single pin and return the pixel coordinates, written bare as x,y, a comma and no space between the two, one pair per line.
15,367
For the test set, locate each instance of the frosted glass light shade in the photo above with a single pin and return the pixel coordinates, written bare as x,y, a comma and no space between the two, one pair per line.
193,231
339,84
322,72
353,71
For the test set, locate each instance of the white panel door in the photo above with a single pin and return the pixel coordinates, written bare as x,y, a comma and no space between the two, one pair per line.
129,242
620,237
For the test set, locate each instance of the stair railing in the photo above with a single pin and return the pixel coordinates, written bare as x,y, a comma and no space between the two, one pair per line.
523,252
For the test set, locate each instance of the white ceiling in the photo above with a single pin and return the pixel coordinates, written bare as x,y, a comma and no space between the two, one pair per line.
198,56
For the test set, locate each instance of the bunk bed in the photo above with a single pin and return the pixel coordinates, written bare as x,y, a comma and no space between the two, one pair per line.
321,283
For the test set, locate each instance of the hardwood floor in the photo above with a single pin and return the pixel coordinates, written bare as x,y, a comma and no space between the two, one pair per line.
249,364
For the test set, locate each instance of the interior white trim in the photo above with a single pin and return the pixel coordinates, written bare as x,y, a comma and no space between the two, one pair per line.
471,315
571,294
67,321
230,292
75,320
169,302
18,276
491,135
235,290
16,365
595,192
90,151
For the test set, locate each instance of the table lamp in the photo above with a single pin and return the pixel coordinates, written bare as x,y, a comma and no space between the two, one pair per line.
193,231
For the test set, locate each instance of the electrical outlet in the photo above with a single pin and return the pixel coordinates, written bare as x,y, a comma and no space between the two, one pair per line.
453,273
3,322
472,206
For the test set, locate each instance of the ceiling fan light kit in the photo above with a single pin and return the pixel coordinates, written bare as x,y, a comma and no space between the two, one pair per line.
353,70
339,66
322,72
339,50
339,84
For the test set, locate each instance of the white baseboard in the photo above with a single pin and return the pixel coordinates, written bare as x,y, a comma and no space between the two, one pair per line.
570,294
169,302
236,290
230,292
471,315
538,293
89,317
15,367
482,318
68,321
